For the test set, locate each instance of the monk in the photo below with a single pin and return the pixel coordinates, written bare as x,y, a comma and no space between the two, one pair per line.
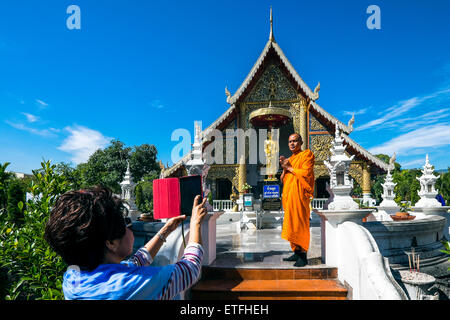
298,189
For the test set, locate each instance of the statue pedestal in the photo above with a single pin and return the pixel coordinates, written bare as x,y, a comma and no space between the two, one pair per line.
437,211
209,237
330,220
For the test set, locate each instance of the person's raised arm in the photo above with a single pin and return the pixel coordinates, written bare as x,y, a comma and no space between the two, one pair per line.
158,240
198,213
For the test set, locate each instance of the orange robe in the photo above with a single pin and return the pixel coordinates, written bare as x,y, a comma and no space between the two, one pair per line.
298,189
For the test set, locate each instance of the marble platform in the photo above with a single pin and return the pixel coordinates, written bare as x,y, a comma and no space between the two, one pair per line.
259,248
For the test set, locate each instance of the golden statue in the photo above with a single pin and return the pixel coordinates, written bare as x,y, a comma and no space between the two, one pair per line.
271,150
233,197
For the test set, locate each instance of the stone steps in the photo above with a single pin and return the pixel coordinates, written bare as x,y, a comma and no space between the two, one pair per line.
316,283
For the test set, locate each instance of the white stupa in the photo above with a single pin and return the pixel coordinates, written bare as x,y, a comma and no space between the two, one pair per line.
340,182
195,165
388,191
427,191
128,196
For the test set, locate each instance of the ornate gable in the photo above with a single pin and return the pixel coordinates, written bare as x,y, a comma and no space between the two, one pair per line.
272,85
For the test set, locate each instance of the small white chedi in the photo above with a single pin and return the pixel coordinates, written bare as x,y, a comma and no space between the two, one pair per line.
388,187
340,183
195,165
427,191
388,206
128,196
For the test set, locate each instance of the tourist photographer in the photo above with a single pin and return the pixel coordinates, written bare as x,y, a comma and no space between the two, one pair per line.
88,229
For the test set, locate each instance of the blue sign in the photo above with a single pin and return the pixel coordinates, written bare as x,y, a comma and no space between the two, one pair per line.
248,200
271,191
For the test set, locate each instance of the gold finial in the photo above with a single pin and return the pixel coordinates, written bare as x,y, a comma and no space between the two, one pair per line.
271,37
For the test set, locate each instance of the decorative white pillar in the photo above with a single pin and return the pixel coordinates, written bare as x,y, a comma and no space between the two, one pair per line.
341,184
128,196
428,204
343,207
195,165
427,191
388,206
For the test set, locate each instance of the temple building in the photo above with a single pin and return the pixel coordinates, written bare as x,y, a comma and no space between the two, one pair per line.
274,83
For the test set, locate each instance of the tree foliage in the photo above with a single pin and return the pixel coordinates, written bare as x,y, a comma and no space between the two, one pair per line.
29,268
144,193
443,185
407,186
107,166
5,177
15,200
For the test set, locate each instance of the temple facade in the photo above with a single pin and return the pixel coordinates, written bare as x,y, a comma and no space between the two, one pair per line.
274,82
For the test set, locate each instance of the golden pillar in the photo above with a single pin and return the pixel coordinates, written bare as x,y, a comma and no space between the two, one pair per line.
366,179
303,123
242,174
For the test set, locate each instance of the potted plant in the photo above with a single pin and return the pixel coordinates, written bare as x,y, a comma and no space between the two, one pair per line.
403,214
246,188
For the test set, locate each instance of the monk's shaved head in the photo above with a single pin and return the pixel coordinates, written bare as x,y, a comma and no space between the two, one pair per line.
296,136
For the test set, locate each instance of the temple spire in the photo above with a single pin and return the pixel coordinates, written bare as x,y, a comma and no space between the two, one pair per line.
271,37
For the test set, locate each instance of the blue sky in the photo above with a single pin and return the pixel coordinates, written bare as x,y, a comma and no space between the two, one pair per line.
138,70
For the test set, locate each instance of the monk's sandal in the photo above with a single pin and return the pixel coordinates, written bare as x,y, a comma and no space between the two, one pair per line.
302,260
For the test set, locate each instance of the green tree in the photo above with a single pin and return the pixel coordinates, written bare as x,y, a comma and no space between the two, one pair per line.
5,177
356,190
443,185
31,269
16,200
107,167
377,188
144,193
407,185
386,159
143,161
72,175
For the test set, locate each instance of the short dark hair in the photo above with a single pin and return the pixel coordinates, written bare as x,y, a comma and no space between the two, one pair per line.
81,222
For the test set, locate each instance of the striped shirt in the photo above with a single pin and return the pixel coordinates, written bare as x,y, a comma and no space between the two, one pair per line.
184,274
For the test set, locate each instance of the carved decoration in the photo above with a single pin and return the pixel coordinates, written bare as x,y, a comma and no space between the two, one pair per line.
315,125
227,171
272,85
320,170
295,111
356,172
320,145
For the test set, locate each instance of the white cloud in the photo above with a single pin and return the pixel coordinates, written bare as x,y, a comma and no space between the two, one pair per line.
391,115
414,163
39,132
41,104
82,142
392,112
157,104
426,137
30,117
358,112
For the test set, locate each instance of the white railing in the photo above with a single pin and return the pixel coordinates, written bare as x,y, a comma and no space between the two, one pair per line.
362,266
317,203
223,205
227,205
